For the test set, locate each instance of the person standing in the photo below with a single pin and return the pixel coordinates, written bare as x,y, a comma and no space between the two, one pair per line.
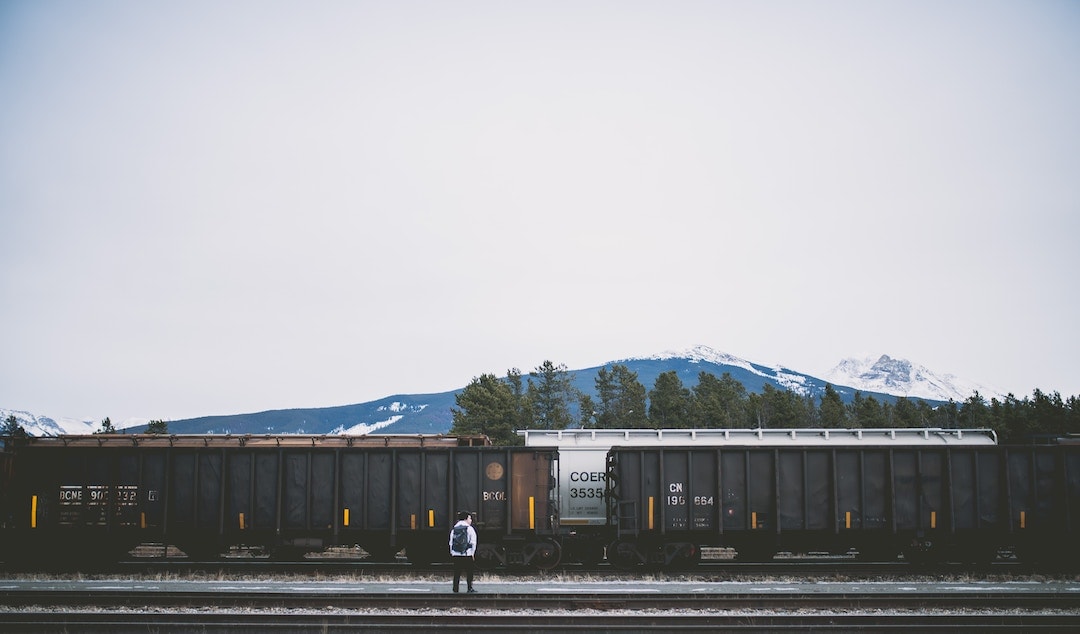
463,550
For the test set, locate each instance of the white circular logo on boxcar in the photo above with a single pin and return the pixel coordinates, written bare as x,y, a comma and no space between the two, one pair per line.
494,471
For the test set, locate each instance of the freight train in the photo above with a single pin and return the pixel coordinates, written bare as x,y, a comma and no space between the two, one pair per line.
79,501
593,507
638,497
958,504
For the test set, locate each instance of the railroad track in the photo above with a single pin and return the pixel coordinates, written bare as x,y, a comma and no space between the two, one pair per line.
254,607
136,622
806,568
266,599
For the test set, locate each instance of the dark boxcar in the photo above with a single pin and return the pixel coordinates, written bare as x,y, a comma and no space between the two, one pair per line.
7,464
80,498
1041,506
954,503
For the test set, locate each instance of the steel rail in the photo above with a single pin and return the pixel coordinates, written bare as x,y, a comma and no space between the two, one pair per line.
803,567
602,601
123,623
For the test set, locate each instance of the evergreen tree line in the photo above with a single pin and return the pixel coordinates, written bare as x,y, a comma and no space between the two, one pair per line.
153,427
547,399
12,429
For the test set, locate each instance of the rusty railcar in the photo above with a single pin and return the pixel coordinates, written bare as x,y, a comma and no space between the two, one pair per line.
86,497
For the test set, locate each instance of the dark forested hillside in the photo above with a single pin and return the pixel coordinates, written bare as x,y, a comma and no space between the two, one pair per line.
672,392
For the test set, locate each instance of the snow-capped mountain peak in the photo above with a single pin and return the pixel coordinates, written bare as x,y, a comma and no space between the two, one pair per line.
782,376
432,413
901,377
45,426
703,353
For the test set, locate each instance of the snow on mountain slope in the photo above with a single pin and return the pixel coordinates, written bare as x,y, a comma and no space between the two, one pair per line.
885,375
901,377
783,376
882,375
364,428
45,426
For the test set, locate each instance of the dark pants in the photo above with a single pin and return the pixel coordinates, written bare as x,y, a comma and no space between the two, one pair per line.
466,564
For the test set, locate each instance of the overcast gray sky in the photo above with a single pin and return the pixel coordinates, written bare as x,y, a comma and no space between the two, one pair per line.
226,207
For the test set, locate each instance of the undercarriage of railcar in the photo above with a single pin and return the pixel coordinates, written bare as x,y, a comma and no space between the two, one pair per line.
1048,552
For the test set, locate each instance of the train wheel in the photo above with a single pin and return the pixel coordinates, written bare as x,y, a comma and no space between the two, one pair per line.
543,555
489,557
281,552
624,555
1043,556
423,555
976,554
921,552
755,553
381,553
68,557
885,553
587,554
201,551
682,556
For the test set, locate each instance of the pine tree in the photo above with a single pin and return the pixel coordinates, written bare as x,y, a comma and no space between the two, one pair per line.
904,414
106,427
669,402
487,408
775,409
157,427
522,417
866,412
551,396
719,403
974,413
787,409
12,428
833,414
622,399
587,411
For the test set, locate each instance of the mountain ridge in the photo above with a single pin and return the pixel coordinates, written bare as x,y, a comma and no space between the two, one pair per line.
901,377
882,377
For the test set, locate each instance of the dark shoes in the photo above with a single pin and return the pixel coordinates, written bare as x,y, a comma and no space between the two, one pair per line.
471,591
455,589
